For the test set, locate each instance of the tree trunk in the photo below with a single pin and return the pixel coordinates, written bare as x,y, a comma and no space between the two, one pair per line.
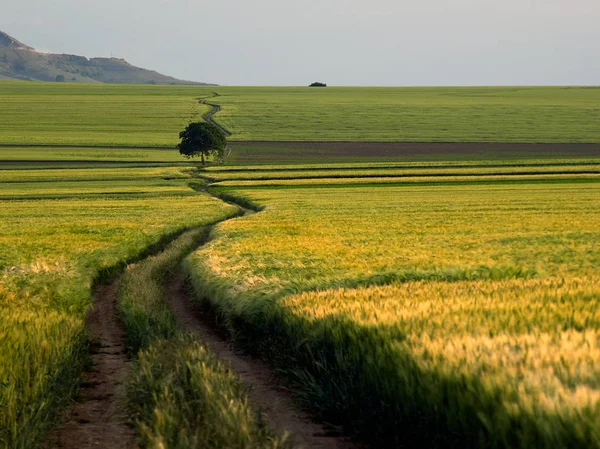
202,156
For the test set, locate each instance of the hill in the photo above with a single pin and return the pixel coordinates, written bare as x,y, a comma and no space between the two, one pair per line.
21,62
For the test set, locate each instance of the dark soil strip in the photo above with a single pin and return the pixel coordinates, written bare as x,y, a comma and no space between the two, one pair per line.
98,418
253,152
267,393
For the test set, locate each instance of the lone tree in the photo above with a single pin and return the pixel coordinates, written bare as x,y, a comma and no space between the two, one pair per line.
317,84
202,139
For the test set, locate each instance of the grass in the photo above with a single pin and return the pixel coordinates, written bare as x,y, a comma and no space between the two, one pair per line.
96,115
448,114
36,190
181,396
95,183
425,316
52,251
142,306
186,398
152,116
428,172
405,181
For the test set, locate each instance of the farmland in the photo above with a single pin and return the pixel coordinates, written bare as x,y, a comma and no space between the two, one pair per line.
15,157
418,296
481,297
471,114
151,116
96,115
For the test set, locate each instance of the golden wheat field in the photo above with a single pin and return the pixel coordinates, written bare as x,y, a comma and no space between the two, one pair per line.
470,309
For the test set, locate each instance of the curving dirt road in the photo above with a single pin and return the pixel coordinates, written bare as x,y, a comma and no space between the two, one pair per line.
267,392
215,109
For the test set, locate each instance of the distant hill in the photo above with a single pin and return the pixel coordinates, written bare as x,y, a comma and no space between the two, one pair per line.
21,62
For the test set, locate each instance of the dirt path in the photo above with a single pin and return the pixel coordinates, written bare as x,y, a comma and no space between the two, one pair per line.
98,419
267,393
215,109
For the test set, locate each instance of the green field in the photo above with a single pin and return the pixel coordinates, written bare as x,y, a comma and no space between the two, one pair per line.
427,298
152,116
68,157
484,114
96,115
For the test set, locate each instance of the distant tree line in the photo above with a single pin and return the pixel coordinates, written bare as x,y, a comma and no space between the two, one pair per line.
317,84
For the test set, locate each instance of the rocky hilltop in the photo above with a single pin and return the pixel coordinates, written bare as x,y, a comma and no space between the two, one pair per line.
21,62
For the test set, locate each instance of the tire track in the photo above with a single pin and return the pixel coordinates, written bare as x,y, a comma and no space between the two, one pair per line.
267,393
99,418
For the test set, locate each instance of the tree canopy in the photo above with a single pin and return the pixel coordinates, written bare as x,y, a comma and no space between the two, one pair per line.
202,139
318,84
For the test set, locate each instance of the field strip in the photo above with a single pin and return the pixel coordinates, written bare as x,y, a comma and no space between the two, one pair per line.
357,183
60,163
83,146
209,116
359,175
353,167
99,418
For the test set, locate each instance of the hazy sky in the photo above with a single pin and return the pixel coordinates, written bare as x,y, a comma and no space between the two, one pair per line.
341,42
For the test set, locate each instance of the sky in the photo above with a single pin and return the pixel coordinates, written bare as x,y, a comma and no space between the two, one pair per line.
340,42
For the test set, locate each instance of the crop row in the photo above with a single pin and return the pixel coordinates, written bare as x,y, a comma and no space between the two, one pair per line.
383,173
396,165
63,157
407,181
141,175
